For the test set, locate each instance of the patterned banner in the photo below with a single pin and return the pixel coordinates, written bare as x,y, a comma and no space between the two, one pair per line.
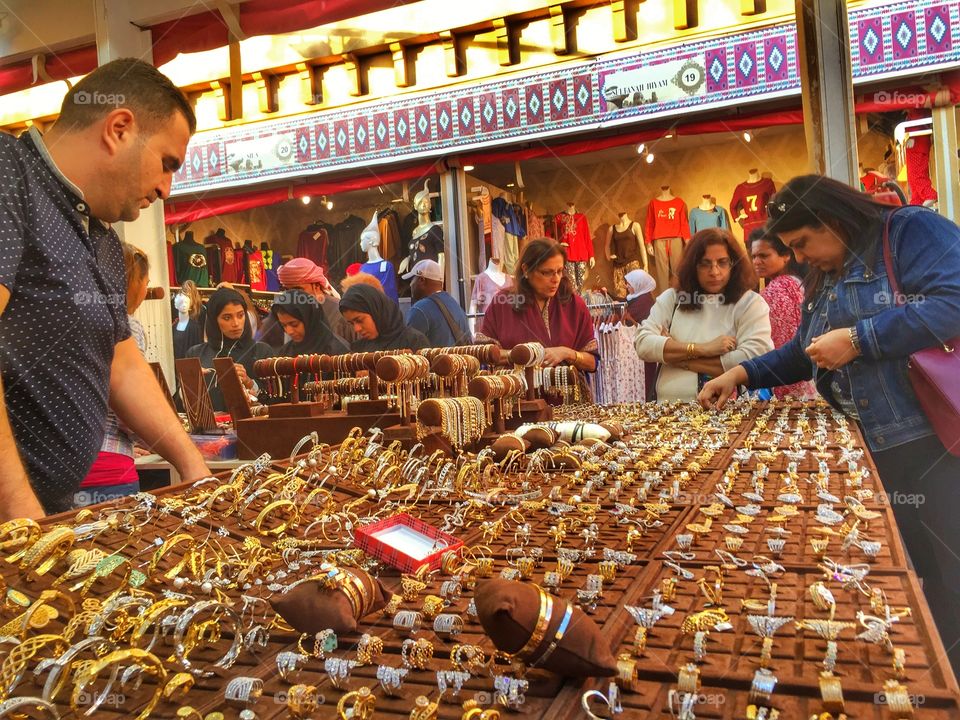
890,40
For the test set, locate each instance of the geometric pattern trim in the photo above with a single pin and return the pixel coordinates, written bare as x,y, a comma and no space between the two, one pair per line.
887,40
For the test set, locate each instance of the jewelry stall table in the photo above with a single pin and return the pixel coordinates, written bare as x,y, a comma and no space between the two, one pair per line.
740,564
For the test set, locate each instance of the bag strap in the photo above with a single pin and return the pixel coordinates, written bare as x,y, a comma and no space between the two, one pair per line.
458,335
888,261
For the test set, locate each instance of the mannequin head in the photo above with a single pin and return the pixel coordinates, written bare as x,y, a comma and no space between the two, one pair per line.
370,237
182,303
422,203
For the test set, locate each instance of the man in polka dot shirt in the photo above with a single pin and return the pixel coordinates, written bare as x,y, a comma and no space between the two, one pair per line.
65,346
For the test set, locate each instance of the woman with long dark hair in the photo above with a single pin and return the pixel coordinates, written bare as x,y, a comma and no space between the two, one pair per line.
710,322
783,292
542,308
229,334
855,341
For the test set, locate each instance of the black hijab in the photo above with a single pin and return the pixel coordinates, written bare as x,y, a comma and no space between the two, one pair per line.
393,334
318,338
215,339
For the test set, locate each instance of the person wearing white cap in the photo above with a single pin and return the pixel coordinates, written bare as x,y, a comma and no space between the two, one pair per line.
434,312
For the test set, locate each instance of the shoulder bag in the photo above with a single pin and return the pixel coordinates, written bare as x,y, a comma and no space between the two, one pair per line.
933,371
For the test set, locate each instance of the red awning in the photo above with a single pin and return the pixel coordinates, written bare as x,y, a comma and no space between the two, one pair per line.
207,30
191,210
59,66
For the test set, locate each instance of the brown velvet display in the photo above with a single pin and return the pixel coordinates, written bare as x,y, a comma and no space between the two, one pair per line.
310,607
508,611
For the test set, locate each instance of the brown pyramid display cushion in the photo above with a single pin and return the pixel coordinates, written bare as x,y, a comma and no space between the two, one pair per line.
310,607
508,611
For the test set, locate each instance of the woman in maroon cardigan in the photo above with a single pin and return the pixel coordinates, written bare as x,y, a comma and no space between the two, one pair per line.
542,308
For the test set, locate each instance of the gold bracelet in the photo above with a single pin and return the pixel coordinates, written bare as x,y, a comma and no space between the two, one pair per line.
282,527
45,553
147,661
540,630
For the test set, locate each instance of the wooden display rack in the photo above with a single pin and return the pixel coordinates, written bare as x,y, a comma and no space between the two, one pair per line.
286,423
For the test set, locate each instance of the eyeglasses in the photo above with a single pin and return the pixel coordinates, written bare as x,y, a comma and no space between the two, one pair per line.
547,274
723,264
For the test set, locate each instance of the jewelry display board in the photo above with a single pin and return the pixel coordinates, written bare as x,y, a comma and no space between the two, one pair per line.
628,532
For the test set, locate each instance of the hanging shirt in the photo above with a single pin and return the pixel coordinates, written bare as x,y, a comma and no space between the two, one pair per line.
535,227
667,219
485,287
752,199
256,270
702,219
383,271
228,266
508,216
574,231
312,244
191,261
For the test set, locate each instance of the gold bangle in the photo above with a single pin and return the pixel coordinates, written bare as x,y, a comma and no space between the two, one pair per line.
20,533
178,686
540,629
688,679
282,527
45,553
162,551
147,661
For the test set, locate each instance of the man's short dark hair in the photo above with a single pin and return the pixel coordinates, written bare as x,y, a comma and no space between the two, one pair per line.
128,83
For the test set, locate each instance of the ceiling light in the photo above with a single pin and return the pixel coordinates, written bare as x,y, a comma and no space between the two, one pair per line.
747,136
669,135
305,199
640,148
467,168
511,184
649,158
329,204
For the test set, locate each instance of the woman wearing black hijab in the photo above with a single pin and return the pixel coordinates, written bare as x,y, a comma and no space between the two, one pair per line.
377,321
229,335
302,318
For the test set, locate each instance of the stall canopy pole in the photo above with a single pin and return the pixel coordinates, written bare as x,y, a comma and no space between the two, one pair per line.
948,167
826,81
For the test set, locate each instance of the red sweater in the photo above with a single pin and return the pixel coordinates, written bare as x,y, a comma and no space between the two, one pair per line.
574,231
667,219
752,199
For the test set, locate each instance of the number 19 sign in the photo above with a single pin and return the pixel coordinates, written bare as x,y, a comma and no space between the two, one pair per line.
670,81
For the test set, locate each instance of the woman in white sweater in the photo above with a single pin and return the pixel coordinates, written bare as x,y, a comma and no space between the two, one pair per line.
712,322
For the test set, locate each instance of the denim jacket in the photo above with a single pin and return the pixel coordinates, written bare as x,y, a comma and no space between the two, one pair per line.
926,260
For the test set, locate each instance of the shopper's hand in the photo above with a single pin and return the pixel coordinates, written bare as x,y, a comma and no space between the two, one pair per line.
716,392
245,379
832,350
718,346
554,356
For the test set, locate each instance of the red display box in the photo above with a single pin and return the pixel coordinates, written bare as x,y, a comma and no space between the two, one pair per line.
406,543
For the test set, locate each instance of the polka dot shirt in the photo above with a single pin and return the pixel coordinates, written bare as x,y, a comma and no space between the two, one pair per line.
67,310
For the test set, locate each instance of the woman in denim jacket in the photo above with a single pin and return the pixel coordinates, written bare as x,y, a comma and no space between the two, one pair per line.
855,342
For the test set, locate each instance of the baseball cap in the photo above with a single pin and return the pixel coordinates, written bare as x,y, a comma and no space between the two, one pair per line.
429,269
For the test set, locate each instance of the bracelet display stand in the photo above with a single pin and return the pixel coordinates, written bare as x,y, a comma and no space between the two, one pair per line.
532,409
286,423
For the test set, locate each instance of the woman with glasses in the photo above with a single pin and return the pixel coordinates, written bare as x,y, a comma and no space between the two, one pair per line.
543,308
710,323
855,340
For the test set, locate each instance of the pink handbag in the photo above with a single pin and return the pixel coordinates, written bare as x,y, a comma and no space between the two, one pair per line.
933,371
